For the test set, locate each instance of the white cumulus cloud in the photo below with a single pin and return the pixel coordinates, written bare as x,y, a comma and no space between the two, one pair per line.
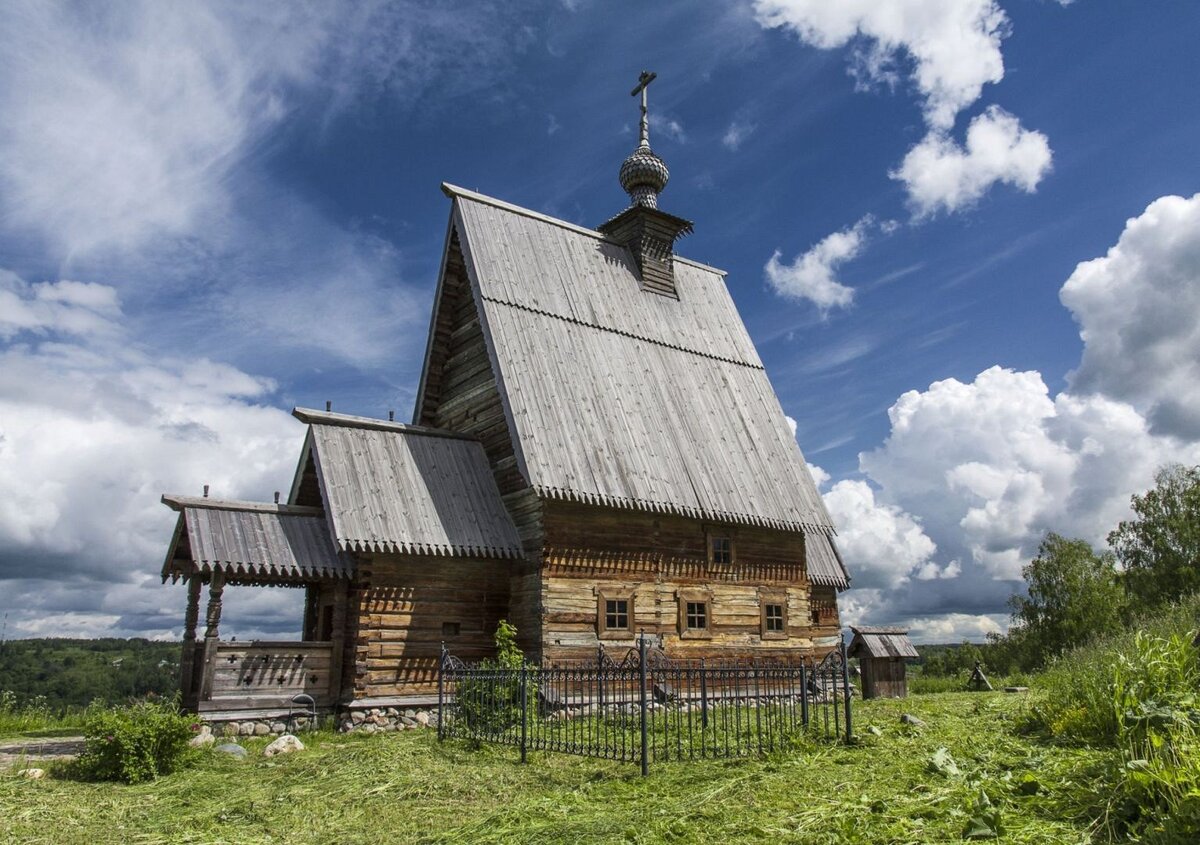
942,175
881,545
953,45
813,275
93,430
1138,309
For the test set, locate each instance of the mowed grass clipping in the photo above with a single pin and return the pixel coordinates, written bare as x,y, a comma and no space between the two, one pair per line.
897,786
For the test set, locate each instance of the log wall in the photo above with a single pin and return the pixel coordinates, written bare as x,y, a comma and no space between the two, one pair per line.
661,560
460,394
401,606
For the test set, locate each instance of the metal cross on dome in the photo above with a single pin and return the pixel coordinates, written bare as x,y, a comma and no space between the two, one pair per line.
643,82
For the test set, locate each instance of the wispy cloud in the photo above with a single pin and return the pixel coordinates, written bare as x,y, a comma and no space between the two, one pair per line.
736,134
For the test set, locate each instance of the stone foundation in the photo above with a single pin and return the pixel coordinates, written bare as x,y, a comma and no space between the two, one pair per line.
259,727
387,719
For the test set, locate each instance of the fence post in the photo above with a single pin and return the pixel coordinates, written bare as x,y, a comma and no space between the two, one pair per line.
642,696
441,693
703,695
803,694
757,705
846,689
524,706
600,678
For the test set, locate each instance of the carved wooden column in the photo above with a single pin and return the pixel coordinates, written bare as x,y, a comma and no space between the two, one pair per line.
216,588
212,618
187,657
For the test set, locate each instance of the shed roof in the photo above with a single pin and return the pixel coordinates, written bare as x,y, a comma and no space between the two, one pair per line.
389,487
881,642
251,542
824,563
619,396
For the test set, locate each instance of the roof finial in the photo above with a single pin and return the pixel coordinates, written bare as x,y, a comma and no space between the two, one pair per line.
643,175
643,83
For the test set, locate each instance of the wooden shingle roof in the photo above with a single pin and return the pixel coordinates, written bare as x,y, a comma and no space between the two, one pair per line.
251,542
624,397
388,487
824,563
881,642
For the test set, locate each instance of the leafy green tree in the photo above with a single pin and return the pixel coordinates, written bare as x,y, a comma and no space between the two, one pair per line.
1160,547
1074,594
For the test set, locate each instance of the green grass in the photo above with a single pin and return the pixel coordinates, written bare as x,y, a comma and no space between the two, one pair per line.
407,788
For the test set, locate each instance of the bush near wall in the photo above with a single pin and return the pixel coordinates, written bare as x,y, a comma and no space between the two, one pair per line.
135,743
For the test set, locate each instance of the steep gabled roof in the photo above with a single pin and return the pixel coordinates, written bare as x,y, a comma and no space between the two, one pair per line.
388,487
620,396
251,542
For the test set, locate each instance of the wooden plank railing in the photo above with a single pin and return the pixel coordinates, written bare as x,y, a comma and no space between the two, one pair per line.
263,675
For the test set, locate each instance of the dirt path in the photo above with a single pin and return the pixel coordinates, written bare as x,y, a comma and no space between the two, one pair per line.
51,748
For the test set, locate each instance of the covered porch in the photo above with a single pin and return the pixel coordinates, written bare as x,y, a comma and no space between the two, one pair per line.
218,544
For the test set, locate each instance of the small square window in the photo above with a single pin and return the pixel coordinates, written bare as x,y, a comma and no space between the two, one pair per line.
451,629
774,618
616,614
722,550
696,615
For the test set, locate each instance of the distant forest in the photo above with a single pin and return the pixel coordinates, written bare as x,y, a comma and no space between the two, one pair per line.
71,673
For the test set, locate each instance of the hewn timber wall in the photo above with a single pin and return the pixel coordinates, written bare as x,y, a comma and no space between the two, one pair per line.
403,604
659,560
461,395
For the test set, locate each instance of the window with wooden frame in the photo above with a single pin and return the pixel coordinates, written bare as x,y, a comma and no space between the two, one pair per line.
614,613
773,615
722,550
695,614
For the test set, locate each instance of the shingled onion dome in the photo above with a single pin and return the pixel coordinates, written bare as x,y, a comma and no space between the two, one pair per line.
643,175
648,234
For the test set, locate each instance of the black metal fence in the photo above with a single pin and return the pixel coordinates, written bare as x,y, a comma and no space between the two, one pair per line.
646,707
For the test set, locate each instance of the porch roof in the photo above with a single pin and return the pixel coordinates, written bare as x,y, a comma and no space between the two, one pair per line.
251,542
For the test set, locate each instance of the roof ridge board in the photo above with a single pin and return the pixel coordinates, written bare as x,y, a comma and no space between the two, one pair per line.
330,418
575,321
455,192
179,503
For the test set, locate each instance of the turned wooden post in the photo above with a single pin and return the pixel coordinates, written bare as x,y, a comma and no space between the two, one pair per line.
187,656
216,586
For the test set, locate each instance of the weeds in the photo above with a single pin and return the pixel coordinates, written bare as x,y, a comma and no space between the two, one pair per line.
33,715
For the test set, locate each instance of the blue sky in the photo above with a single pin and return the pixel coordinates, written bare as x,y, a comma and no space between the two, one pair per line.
964,235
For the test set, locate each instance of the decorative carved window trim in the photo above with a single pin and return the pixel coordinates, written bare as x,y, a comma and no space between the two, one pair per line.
683,598
778,599
603,596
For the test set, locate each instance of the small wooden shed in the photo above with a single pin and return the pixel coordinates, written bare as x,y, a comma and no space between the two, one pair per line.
881,653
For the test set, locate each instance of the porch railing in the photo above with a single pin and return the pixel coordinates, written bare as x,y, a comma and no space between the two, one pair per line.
259,675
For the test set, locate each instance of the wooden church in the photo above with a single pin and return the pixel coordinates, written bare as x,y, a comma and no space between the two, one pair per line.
596,451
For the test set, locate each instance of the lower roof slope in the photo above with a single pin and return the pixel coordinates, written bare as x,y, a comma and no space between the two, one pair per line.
824,563
396,488
251,542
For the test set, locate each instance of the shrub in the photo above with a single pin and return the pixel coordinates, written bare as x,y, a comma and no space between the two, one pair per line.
490,700
135,743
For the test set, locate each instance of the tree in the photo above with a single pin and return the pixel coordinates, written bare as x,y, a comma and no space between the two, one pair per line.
1160,547
1074,594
